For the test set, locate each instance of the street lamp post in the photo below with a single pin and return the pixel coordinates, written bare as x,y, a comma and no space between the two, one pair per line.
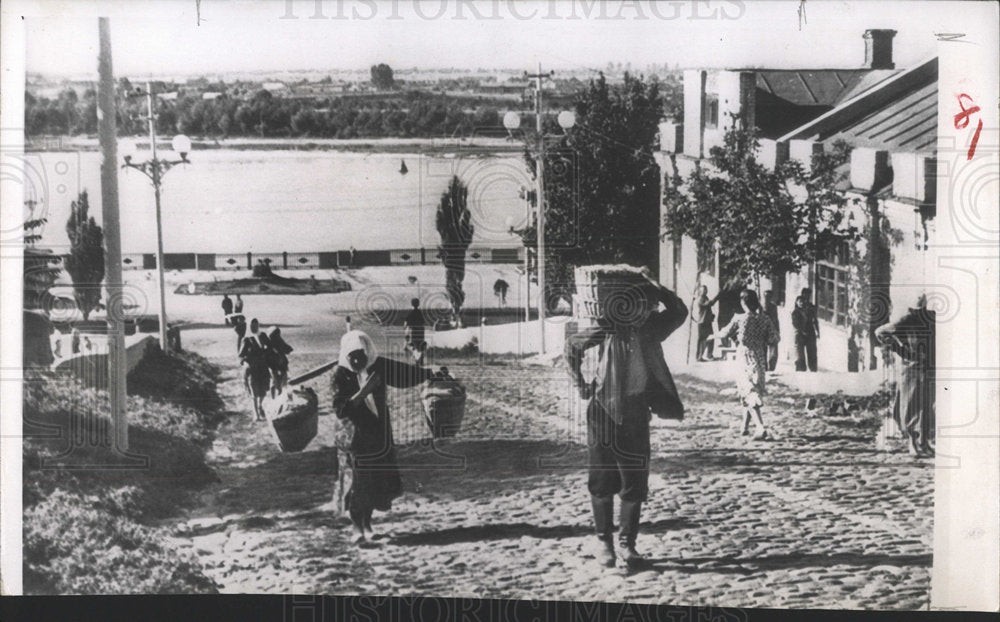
155,168
512,121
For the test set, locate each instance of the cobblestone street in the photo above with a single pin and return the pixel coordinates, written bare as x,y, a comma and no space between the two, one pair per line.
816,519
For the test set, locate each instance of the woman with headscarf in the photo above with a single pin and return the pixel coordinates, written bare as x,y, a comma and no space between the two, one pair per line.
256,376
753,333
359,399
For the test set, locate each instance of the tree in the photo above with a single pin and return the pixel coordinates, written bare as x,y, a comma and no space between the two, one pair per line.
382,77
40,264
85,262
602,185
454,223
764,222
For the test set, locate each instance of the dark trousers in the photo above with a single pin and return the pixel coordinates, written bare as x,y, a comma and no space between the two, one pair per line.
772,357
805,353
705,347
618,453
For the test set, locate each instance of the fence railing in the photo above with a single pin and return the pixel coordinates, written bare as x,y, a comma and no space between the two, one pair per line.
321,260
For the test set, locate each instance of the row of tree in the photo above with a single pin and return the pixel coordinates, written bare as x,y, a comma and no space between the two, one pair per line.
408,114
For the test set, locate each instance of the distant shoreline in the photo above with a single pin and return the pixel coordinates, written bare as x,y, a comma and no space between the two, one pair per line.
358,145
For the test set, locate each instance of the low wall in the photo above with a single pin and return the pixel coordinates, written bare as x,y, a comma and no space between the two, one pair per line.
513,338
525,338
92,369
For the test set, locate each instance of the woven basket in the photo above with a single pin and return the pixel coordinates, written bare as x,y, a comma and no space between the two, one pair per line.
294,418
618,290
444,407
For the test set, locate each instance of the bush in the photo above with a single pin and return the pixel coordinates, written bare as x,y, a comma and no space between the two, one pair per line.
55,399
82,521
182,377
89,544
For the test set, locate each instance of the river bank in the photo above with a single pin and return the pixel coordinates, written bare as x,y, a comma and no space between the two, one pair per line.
354,145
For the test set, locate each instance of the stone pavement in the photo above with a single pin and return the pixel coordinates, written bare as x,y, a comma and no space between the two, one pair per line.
817,519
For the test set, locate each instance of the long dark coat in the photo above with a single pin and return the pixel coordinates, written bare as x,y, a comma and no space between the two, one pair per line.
371,453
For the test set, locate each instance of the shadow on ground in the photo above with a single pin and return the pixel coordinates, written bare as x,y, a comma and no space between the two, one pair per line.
515,531
752,565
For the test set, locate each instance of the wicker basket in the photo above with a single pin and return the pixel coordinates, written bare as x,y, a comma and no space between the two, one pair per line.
444,407
618,290
294,418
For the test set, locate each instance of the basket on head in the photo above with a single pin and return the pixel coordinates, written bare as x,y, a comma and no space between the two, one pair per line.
617,293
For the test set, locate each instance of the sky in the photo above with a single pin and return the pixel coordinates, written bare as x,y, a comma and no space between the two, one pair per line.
163,37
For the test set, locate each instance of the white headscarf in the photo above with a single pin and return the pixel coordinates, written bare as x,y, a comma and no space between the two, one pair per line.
359,340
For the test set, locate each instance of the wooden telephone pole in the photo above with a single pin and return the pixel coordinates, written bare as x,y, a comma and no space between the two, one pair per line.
540,198
107,131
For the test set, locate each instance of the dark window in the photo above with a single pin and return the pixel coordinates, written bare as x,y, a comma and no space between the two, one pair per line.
711,111
832,277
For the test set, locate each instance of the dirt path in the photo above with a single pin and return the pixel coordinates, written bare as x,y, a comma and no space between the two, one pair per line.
817,519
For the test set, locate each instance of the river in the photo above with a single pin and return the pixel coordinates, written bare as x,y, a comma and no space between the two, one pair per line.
235,200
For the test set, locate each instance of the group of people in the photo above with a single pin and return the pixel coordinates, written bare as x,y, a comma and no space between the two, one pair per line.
804,322
264,356
632,382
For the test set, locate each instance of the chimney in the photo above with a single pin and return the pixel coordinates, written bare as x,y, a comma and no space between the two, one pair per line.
878,49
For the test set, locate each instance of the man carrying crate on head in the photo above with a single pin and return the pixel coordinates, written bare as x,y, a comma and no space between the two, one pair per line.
632,381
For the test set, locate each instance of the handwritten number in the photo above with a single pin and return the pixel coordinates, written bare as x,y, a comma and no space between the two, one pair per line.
962,121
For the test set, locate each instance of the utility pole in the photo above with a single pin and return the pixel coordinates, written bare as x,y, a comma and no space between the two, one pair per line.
540,189
107,130
159,220
155,169
527,262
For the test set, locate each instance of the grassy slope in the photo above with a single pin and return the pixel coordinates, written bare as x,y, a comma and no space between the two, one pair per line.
88,510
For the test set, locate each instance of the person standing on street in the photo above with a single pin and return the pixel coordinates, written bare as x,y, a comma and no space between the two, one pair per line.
771,311
806,331
500,288
238,307
227,307
753,333
911,339
632,382
704,317
414,327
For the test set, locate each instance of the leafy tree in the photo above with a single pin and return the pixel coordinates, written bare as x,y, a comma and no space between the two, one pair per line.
602,185
764,222
85,262
454,223
40,265
382,77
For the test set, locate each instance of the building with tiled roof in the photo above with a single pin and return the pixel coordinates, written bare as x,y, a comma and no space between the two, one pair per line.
888,117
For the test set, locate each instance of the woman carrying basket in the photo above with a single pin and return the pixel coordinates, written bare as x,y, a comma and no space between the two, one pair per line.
359,397
256,376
